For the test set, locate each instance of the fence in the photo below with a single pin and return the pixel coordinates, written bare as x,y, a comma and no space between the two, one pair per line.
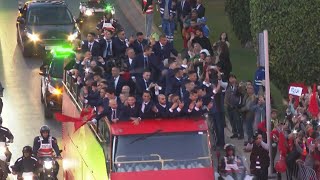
301,171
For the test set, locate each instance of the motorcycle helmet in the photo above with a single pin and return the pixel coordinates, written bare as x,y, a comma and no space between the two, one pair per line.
27,149
230,147
44,128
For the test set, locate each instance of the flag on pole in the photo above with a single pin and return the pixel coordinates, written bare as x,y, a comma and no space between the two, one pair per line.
86,115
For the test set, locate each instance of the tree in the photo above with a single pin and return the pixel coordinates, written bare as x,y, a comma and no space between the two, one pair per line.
294,38
239,15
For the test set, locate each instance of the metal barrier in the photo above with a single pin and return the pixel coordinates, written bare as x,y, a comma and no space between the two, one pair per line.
306,172
300,171
101,130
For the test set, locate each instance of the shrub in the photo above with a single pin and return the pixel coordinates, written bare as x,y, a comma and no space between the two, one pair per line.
239,14
294,38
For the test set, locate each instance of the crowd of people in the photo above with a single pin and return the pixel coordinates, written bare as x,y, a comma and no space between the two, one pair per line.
145,78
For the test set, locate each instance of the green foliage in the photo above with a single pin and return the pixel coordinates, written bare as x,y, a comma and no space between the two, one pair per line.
239,15
294,38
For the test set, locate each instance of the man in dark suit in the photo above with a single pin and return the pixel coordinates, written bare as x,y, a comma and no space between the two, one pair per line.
91,45
163,49
119,44
114,113
148,109
106,45
200,9
128,62
163,107
174,85
139,44
132,110
116,82
176,106
142,61
144,83
183,10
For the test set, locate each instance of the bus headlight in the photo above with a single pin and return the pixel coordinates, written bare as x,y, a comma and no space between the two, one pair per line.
33,37
47,164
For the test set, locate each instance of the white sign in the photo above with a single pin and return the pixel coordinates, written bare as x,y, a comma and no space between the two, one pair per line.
296,91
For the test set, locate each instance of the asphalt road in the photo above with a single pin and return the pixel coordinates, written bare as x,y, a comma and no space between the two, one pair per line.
23,112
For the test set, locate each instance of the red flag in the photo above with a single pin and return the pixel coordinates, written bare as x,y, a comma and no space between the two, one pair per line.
313,104
83,121
86,115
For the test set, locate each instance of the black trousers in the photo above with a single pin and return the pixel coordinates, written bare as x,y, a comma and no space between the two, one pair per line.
261,174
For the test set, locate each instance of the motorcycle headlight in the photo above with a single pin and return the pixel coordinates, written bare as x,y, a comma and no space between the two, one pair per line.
73,36
47,164
113,11
33,37
27,176
54,90
88,12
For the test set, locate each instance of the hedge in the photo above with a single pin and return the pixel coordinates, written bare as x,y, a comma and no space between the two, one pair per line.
294,38
239,15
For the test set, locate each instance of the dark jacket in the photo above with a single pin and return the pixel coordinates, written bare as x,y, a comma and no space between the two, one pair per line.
138,47
259,154
95,50
165,52
24,164
5,134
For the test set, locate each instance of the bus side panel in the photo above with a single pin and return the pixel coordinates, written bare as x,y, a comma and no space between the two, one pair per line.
82,149
72,162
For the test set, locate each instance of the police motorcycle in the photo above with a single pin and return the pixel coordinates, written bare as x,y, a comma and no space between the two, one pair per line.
49,167
26,167
231,167
4,161
91,13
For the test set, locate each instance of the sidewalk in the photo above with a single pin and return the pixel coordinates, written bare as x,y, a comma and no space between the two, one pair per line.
132,10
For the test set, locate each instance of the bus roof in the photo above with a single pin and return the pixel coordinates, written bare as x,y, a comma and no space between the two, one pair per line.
163,125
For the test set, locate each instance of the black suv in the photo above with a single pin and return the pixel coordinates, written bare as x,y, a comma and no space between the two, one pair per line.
42,25
51,86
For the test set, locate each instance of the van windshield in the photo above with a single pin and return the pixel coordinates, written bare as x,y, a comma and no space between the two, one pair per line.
49,16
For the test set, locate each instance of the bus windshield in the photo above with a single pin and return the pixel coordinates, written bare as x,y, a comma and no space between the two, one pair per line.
161,152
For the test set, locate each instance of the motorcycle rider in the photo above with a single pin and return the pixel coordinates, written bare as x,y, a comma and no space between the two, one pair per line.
108,23
232,165
5,135
44,145
26,163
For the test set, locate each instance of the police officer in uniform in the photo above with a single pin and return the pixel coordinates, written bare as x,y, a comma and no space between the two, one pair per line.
108,23
44,145
5,135
232,165
26,163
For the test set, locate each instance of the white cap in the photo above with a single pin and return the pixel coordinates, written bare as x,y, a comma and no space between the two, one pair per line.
205,51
